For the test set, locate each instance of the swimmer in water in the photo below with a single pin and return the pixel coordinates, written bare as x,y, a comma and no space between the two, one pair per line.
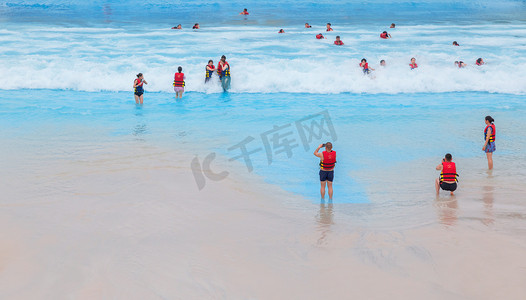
382,63
413,64
385,35
244,12
460,64
479,62
196,26
209,70
177,27
455,43
179,83
338,41
320,36
392,25
307,25
138,88
365,66
281,31
329,27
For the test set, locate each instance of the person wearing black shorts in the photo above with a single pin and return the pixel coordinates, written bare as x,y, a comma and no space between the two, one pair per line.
327,162
448,175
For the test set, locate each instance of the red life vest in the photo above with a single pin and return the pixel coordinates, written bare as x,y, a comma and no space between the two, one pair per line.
330,29
383,35
319,36
492,136
139,82
244,13
179,79
449,171
339,43
329,159
413,66
365,66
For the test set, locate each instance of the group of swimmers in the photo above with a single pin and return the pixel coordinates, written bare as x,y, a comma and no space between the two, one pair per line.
447,180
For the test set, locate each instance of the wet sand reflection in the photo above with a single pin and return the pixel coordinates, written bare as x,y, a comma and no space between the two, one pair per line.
325,219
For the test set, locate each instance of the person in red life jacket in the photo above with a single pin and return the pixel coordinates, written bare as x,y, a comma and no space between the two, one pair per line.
460,64
329,27
413,64
320,36
479,62
455,43
223,70
338,41
382,63
327,162
196,26
489,140
392,25
307,25
209,70
244,12
281,31
448,176
385,35
138,88
365,66
177,27
179,83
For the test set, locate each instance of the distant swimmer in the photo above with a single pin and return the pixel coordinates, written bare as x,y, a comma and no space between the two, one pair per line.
307,25
320,36
479,62
448,176
365,66
338,41
223,70
489,140
327,163
455,43
179,83
382,63
209,70
196,26
177,27
138,88
460,64
413,64
392,25
281,31
329,27
244,12
385,35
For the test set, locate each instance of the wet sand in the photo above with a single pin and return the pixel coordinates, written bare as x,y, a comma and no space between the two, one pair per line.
131,224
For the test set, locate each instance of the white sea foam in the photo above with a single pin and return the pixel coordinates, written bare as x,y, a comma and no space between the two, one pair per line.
263,61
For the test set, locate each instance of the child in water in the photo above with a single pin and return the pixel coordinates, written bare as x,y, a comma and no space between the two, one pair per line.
338,41
365,66
329,27
281,31
385,35
244,12
413,64
209,69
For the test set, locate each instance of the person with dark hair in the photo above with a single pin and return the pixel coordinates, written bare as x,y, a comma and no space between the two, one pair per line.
382,63
209,69
413,64
179,83
281,31
138,88
455,43
327,162
365,66
320,36
479,61
307,25
392,25
196,26
223,70
338,41
177,27
448,175
244,12
329,27
460,64
489,140
385,35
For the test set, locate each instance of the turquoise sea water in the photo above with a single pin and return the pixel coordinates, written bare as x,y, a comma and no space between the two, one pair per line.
69,67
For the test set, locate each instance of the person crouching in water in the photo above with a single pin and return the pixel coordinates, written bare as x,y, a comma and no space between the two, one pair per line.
327,162
365,66
223,70
139,90
179,83
209,70
448,176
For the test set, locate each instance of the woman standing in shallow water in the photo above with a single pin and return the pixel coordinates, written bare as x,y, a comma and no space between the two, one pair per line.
139,90
489,140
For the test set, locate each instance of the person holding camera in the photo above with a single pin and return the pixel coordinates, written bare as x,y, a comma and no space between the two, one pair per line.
448,176
327,162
